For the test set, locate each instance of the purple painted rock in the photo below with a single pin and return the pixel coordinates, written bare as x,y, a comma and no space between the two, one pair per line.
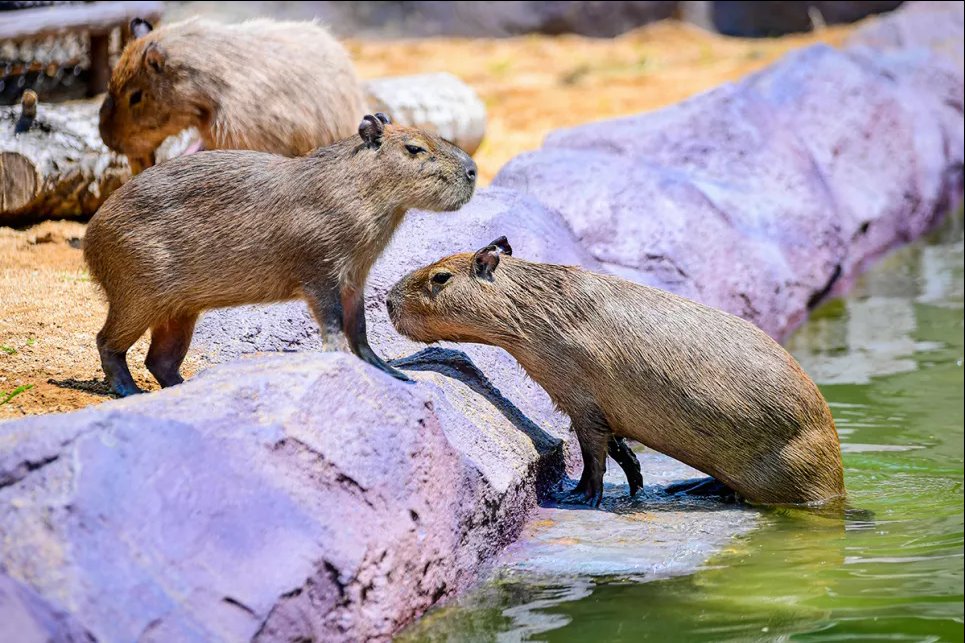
757,197
285,497
933,25
25,617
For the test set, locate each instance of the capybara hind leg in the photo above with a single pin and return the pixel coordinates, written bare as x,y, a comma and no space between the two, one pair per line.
701,487
326,306
169,344
113,340
623,455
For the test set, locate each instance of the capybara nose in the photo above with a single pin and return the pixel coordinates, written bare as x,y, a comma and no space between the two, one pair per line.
390,306
470,167
106,113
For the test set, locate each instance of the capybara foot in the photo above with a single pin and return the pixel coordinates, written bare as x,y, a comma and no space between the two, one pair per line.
397,374
701,487
368,355
591,495
623,455
119,377
125,390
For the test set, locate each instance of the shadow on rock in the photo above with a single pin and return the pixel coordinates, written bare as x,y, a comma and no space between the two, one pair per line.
457,365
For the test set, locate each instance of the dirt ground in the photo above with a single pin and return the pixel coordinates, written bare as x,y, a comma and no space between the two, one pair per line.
50,311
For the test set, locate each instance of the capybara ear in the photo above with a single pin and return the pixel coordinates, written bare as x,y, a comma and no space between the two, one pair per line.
383,117
370,129
140,27
486,259
155,57
502,244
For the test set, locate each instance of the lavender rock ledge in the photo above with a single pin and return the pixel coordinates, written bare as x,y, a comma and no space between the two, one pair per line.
308,495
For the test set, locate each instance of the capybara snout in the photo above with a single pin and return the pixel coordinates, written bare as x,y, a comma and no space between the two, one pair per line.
106,115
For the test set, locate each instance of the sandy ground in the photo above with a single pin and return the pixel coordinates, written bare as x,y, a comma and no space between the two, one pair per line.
50,311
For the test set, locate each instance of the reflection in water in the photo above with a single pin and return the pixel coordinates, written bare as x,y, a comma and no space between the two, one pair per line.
889,360
872,332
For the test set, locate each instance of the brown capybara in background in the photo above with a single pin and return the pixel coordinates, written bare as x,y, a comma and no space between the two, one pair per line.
226,228
281,87
705,387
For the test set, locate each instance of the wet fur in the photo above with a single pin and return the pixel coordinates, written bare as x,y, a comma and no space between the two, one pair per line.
705,387
281,87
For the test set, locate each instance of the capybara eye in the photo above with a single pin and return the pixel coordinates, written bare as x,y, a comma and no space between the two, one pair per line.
136,97
441,277
414,149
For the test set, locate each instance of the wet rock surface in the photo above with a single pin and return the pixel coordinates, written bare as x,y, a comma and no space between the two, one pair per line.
650,536
308,495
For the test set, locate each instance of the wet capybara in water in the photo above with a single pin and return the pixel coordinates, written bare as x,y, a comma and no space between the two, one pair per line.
703,386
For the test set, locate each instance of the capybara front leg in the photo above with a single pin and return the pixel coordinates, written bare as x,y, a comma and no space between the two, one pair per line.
593,434
623,455
113,340
169,344
353,320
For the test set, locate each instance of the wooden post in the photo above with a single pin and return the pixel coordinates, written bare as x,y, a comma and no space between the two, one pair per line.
100,68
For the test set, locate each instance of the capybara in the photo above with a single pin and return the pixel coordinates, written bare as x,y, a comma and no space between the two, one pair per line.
703,386
281,87
228,227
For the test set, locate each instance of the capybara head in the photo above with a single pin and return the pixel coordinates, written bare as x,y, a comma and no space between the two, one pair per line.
413,166
462,298
150,96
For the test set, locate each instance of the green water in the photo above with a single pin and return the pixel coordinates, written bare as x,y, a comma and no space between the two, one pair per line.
889,360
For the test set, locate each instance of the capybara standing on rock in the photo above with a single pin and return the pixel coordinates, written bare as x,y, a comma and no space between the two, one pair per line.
227,228
696,383
281,87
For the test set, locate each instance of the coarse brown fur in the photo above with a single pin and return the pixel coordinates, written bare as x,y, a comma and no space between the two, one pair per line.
705,387
281,87
225,228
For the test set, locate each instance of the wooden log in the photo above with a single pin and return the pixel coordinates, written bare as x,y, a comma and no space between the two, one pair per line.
60,168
